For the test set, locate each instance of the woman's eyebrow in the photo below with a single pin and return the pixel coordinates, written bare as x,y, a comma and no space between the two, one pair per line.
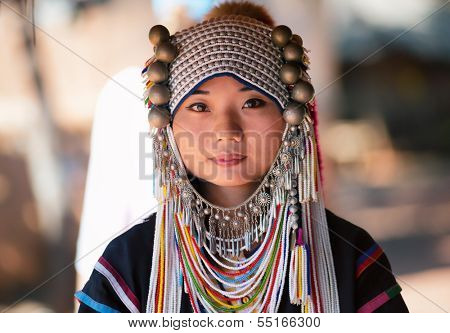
245,89
205,92
200,92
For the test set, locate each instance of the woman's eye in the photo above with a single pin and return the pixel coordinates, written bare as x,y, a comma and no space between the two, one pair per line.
197,107
254,103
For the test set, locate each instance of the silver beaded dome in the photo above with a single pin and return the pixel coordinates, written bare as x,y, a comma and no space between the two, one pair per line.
234,44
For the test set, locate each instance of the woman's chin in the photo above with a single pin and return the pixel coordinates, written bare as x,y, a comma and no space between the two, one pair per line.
231,180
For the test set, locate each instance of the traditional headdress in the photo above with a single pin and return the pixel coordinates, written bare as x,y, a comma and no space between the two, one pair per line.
193,237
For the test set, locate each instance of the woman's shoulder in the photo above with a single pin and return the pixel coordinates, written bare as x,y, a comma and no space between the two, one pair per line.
119,280
342,228
350,239
363,269
136,238
131,249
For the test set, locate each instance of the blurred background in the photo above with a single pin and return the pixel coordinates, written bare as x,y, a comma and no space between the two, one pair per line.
73,144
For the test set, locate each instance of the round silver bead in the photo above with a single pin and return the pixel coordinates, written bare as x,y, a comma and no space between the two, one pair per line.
290,72
302,92
293,52
293,192
207,211
158,72
198,201
158,34
294,113
217,216
294,217
293,209
294,225
293,201
297,39
281,35
158,117
159,94
227,217
166,52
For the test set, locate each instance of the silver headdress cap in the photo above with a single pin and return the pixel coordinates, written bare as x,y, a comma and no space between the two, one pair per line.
270,60
236,45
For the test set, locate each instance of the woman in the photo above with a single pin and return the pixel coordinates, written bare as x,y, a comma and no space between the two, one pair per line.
240,225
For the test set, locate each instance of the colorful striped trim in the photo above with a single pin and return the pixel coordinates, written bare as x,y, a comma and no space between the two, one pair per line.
99,307
380,299
367,258
117,282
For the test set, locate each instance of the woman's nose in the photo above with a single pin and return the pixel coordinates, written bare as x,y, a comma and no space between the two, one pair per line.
226,128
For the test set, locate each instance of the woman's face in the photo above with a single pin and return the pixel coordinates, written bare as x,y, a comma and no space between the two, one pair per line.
228,134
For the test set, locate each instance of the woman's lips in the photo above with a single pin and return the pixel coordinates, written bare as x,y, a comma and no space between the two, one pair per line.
228,160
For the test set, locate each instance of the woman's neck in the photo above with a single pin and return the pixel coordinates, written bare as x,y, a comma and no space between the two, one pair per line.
225,196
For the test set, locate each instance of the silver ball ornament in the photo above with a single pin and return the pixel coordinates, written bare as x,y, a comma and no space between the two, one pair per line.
294,113
159,94
281,35
302,92
297,39
158,72
290,72
158,117
166,52
293,52
158,34
293,209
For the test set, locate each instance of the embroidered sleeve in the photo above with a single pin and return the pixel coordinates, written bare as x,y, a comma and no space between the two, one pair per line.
107,291
377,289
110,287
